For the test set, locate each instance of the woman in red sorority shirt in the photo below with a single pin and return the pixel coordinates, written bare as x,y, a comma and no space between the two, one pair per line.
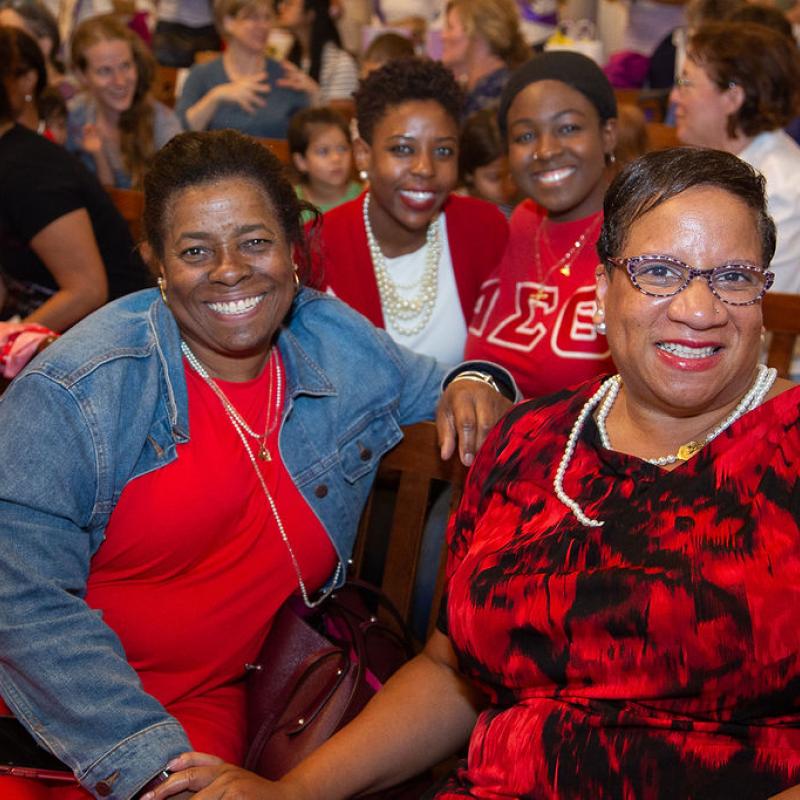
534,313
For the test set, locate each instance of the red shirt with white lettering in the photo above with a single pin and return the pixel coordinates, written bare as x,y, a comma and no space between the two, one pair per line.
534,313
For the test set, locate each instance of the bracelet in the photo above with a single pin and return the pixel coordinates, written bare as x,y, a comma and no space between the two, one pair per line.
476,375
153,783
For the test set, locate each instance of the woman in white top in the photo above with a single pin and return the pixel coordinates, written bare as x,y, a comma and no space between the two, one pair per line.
317,63
740,85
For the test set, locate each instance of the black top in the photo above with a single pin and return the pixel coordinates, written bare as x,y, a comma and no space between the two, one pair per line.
40,182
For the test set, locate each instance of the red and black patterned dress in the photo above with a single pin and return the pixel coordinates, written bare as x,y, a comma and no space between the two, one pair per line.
655,657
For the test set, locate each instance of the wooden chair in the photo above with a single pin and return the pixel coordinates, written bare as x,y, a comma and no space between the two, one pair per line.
164,83
279,148
130,204
782,321
661,136
413,467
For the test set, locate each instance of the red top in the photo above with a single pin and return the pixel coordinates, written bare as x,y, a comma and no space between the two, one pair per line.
476,234
655,657
193,568
533,319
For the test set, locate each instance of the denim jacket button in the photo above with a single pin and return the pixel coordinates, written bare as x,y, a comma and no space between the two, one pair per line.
366,454
321,490
103,789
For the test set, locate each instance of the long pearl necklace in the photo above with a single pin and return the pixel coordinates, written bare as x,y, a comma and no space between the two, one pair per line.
607,394
242,429
398,309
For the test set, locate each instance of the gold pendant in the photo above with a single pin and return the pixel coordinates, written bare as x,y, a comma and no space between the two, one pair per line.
686,451
263,453
565,270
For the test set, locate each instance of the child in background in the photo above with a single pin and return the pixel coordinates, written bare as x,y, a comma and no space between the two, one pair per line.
319,142
383,48
52,110
482,163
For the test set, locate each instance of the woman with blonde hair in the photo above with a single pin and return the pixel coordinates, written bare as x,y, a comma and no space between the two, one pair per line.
481,44
115,126
242,89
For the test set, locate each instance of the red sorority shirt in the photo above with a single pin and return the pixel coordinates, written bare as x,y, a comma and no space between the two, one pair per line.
193,570
537,323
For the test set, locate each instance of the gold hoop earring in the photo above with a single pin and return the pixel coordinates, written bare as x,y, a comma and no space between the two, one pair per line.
162,287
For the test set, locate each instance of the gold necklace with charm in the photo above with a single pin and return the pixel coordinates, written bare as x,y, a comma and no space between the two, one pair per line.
230,410
563,264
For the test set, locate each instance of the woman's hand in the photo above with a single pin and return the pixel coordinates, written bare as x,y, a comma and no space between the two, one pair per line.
91,139
248,93
467,411
295,78
212,778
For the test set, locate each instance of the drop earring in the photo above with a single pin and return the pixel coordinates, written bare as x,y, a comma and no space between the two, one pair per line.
162,287
363,175
599,321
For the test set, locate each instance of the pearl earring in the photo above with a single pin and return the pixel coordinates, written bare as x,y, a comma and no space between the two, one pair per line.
363,175
600,327
599,321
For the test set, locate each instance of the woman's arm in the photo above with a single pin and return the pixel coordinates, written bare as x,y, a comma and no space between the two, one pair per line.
248,93
424,713
68,249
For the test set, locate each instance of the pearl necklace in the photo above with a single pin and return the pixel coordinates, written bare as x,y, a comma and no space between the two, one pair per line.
398,309
275,377
607,393
564,264
243,431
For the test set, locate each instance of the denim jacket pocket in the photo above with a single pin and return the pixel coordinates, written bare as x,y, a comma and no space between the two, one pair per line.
363,447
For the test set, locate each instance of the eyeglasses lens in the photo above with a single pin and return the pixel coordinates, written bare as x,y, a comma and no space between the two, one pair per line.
733,283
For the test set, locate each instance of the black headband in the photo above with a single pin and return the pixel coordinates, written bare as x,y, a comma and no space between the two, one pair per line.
574,69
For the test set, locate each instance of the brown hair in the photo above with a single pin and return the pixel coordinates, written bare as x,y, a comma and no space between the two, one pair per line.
656,177
765,64
497,21
230,8
135,123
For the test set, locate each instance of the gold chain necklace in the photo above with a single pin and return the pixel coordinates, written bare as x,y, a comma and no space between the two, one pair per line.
243,431
563,264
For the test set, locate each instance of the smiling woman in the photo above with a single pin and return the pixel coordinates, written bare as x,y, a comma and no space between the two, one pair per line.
213,446
624,566
534,313
409,254
115,126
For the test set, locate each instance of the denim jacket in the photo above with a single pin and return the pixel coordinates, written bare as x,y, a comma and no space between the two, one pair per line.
107,403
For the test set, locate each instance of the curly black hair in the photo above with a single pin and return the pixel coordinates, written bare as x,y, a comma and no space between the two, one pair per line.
193,158
398,82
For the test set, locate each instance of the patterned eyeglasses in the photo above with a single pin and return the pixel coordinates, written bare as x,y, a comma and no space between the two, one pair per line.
737,284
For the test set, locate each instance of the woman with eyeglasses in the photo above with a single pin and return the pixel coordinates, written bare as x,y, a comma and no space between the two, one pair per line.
242,89
739,87
624,567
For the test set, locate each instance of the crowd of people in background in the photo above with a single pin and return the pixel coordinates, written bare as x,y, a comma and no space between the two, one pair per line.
443,198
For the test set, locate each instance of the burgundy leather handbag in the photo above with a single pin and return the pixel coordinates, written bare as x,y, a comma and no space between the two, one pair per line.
316,671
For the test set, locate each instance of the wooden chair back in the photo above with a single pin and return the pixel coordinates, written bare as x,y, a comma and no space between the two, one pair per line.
782,322
164,84
130,204
406,477
661,136
279,148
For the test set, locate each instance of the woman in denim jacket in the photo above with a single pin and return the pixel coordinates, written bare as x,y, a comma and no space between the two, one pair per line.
171,477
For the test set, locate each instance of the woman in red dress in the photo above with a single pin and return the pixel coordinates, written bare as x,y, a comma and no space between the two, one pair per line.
624,567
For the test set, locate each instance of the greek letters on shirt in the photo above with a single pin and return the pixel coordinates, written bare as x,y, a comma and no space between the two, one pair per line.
539,312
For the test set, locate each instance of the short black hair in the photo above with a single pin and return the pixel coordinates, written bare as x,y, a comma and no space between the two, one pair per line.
198,157
19,54
400,81
656,177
